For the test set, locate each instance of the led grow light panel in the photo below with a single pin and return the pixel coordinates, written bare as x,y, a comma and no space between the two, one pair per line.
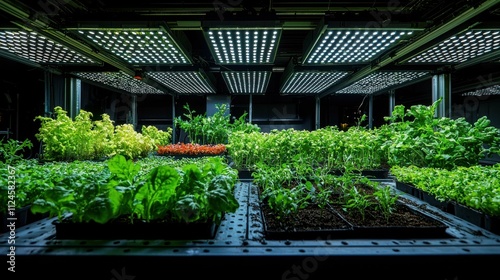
184,82
139,47
493,90
311,82
243,45
461,47
376,82
119,80
340,46
247,82
39,49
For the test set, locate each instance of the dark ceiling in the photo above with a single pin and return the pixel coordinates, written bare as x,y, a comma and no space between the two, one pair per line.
299,21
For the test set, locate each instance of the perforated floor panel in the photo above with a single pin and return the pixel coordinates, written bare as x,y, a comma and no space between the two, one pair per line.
240,244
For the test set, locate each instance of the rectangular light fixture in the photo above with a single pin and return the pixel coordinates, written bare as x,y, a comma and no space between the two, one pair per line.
39,49
119,80
353,45
243,45
310,82
184,82
247,82
379,81
488,91
139,46
460,48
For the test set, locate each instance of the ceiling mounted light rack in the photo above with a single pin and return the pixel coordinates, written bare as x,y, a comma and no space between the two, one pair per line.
247,82
332,44
384,81
459,48
140,44
309,80
243,43
118,80
33,47
187,82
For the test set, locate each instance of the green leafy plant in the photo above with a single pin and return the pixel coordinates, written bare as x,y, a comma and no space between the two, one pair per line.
10,149
385,201
131,143
358,201
160,137
415,137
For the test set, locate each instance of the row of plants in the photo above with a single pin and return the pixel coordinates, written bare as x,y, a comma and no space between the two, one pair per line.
328,147
215,129
149,190
415,137
65,139
287,189
477,187
191,149
411,137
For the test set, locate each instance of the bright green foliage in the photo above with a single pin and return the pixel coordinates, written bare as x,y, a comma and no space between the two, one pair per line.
386,199
214,129
476,186
416,137
160,137
65,139
187,191
9,150
130,143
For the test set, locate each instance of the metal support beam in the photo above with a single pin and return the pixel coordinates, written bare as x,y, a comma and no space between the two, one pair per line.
173,120
318,108
134,111
72,96
48,94
370,111
408,50
250,108
441,88
392,101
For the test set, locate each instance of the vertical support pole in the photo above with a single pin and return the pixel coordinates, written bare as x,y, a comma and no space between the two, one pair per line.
250,108
173,120
392,101
370,111
48,93
317,117
73,96
441,88
134,111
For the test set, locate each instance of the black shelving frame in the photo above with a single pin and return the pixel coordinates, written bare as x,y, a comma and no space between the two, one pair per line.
240,250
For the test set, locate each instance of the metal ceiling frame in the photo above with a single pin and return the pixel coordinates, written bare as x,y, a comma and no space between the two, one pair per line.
429,36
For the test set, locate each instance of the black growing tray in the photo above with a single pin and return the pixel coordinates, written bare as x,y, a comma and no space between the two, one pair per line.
138,230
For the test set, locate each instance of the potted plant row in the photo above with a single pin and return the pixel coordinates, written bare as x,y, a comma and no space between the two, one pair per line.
356,149
181,150
119,199
17,191
304,204
471,193
66,139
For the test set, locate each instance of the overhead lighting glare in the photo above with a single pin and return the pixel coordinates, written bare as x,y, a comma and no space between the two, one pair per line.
243,46
461,47
340,46
376,82
493,90
184,82
39,49
119,80
247,82
311,82
139,47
